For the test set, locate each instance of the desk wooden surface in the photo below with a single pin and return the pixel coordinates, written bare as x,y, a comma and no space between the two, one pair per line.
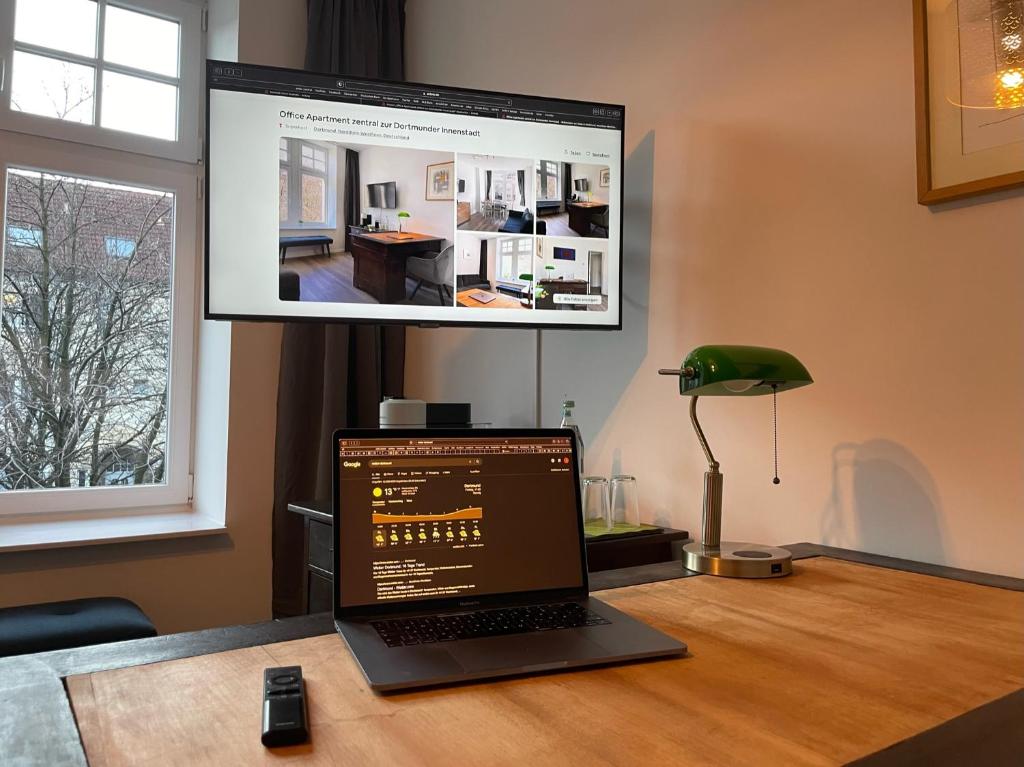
465,298
397,237
828,665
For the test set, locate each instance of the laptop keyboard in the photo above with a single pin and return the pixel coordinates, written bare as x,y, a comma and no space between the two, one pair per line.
400,632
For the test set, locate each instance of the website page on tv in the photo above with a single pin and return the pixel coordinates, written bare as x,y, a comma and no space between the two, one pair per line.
359,199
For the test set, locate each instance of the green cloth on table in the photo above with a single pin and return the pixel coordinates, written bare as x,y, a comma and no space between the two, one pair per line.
597,529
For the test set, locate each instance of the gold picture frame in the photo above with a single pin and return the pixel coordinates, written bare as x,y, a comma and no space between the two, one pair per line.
947,168
441,181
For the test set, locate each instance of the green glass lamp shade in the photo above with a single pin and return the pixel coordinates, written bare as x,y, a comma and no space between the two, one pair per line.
730,371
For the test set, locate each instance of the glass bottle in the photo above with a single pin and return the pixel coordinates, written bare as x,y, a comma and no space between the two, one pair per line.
568,422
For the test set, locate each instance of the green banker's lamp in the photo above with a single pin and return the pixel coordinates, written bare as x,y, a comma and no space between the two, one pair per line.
733,371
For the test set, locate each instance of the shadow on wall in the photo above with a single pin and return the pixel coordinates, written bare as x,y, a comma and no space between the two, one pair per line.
883,501
607,361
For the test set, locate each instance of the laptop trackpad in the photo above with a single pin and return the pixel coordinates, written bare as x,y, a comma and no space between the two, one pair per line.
548,649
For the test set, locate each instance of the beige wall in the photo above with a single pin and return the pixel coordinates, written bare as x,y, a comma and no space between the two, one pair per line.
194,583
776,141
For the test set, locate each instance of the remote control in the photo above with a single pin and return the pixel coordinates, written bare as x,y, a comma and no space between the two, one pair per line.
284,707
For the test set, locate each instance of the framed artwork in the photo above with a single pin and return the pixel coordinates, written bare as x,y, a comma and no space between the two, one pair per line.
440,181
969,83
606,177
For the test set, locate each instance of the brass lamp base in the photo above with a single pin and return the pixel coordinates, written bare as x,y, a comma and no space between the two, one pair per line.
738,560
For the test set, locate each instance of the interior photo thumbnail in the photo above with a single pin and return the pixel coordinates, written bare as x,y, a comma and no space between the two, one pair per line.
572,199
495,194
493,271
365,224
571,275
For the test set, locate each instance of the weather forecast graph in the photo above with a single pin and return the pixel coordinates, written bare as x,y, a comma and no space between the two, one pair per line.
473,512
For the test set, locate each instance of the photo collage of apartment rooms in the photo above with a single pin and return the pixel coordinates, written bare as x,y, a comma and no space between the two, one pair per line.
376,224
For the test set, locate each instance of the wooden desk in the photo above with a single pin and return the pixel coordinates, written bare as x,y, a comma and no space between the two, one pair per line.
464,298
575,287
831,664
379,261
581,214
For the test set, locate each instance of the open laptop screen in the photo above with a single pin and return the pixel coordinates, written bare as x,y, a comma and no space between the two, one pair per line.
426,517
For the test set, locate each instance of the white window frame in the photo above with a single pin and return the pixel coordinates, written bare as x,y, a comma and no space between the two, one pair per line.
188,145
180,180
543,175
293,165
113,158
515,251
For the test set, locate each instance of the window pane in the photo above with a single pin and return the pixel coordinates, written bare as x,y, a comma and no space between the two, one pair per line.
136,105
141,41
84,338
283,150
24,237
282,195
52,88
65,25
313,189
119,247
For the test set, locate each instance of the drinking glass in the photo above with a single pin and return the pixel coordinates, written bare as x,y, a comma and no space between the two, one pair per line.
625,505
595,502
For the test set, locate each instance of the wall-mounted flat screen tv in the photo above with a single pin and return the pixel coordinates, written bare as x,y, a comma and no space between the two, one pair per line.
383,195
294,158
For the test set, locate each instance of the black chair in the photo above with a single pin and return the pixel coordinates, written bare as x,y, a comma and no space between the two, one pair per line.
75,623
434,268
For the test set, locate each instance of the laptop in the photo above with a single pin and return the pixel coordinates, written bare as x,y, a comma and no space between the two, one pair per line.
459,555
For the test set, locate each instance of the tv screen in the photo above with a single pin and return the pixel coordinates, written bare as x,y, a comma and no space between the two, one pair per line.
582,185
289,153
383,195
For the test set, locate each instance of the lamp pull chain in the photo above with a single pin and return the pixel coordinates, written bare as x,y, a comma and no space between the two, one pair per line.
775,432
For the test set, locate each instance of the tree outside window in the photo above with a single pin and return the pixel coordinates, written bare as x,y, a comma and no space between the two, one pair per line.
84,333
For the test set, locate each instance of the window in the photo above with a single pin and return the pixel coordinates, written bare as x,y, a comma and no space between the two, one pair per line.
97,252
84,348
548,181
24,236
103,73
514,257
119,247
311,202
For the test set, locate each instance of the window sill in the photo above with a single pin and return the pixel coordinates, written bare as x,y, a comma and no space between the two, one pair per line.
22,532
306,227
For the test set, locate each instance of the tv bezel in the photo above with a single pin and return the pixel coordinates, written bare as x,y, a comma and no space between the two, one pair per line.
557,248
408,322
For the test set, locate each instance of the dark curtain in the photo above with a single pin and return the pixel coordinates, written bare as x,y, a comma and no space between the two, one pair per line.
350,206
487,185
566,182
522,186
362,38
483,261
332,375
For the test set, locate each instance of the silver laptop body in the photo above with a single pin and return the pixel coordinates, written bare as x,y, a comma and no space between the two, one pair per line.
459,555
